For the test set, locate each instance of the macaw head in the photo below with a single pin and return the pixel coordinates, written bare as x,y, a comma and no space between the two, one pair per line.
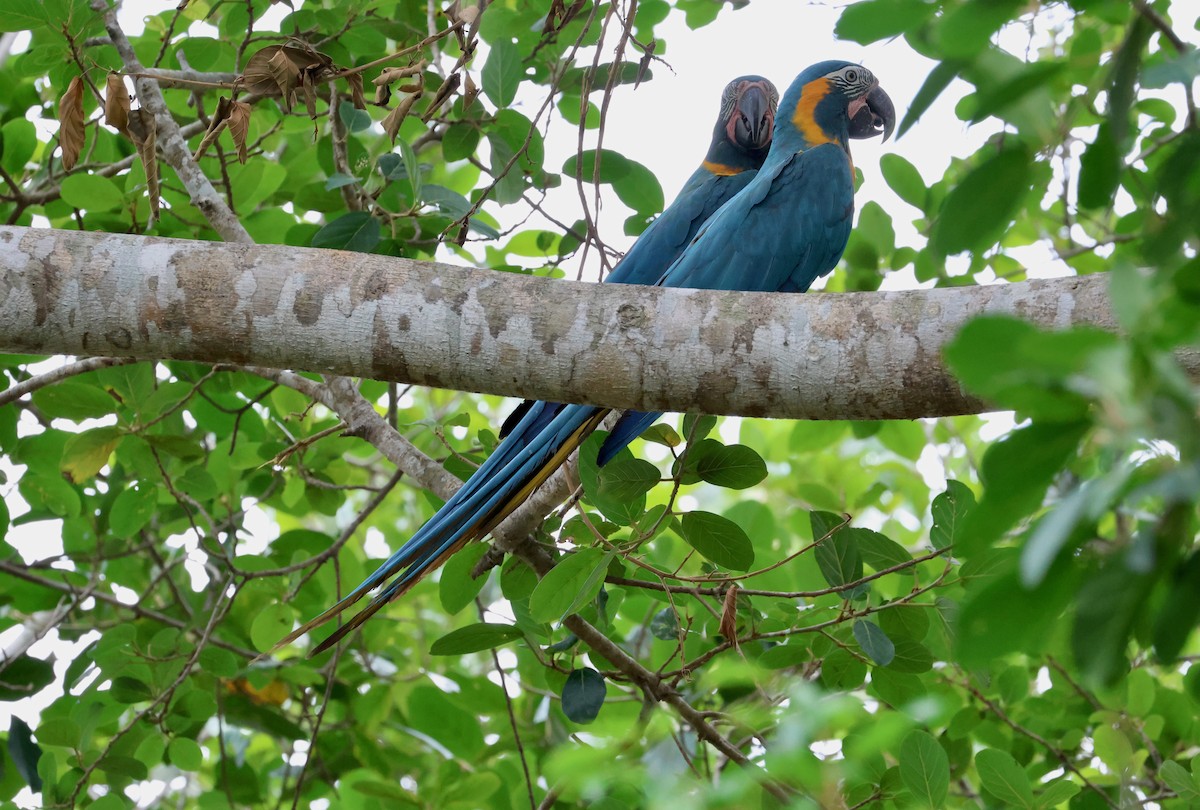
748,106
742,134
832,102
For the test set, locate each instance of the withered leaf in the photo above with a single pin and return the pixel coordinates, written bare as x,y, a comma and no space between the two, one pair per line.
274,71
218,122
143,132
239,127
308,83
444,92
383,94
116,104
286,75
389,75
467,14
355,81
70,123
391,124
728,626
470,92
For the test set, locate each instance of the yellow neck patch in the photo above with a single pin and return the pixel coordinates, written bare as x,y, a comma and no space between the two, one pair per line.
804,116
720,169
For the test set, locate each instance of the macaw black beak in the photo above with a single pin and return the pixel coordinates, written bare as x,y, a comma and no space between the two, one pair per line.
752,121
872,114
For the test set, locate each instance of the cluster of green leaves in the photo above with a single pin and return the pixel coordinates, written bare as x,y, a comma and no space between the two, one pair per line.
866,635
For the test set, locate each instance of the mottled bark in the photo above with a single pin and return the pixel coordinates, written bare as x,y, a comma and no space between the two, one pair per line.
815,356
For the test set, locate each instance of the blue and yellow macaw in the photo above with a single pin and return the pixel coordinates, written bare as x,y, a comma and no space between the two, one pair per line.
787,226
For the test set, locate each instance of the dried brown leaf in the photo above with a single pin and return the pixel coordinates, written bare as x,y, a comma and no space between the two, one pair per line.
218,122
308,82
389,75
470,92
467,14
143,132
383,94
728,627
391,124
355,81
274,71
287,77
70,123
116,104
444,92
239,127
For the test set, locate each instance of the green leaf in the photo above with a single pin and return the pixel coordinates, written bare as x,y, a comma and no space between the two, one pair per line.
841,670
85,454
432,711
18,137
25,677
1099,170
583,695
23,15
1179,780
978,210
357,231
1000,615
74,400
1109,604
25,752
877,550
132,510
460,141
911,657
502,73
130,690
925,768
1003,778
665,625
1180,613
272,623
638,187
59,731
622,511
949,511
1182,68
612,166
719,539
412,167
1056,793
1112,747
874,642
185,754
92,192
1014,364
457,588
572,583
866,22
627,478
904,179
1084,504
838,557
475,637
938,80
1016,473
964,31
733,466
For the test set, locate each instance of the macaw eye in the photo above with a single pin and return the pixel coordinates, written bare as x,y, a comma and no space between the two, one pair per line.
852,76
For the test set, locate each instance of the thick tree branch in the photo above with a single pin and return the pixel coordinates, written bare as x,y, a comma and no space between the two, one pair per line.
816,356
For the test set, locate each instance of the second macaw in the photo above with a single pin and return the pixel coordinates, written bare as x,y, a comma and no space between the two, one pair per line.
786,227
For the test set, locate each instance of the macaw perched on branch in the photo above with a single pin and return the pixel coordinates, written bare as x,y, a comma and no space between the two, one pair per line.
787,226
